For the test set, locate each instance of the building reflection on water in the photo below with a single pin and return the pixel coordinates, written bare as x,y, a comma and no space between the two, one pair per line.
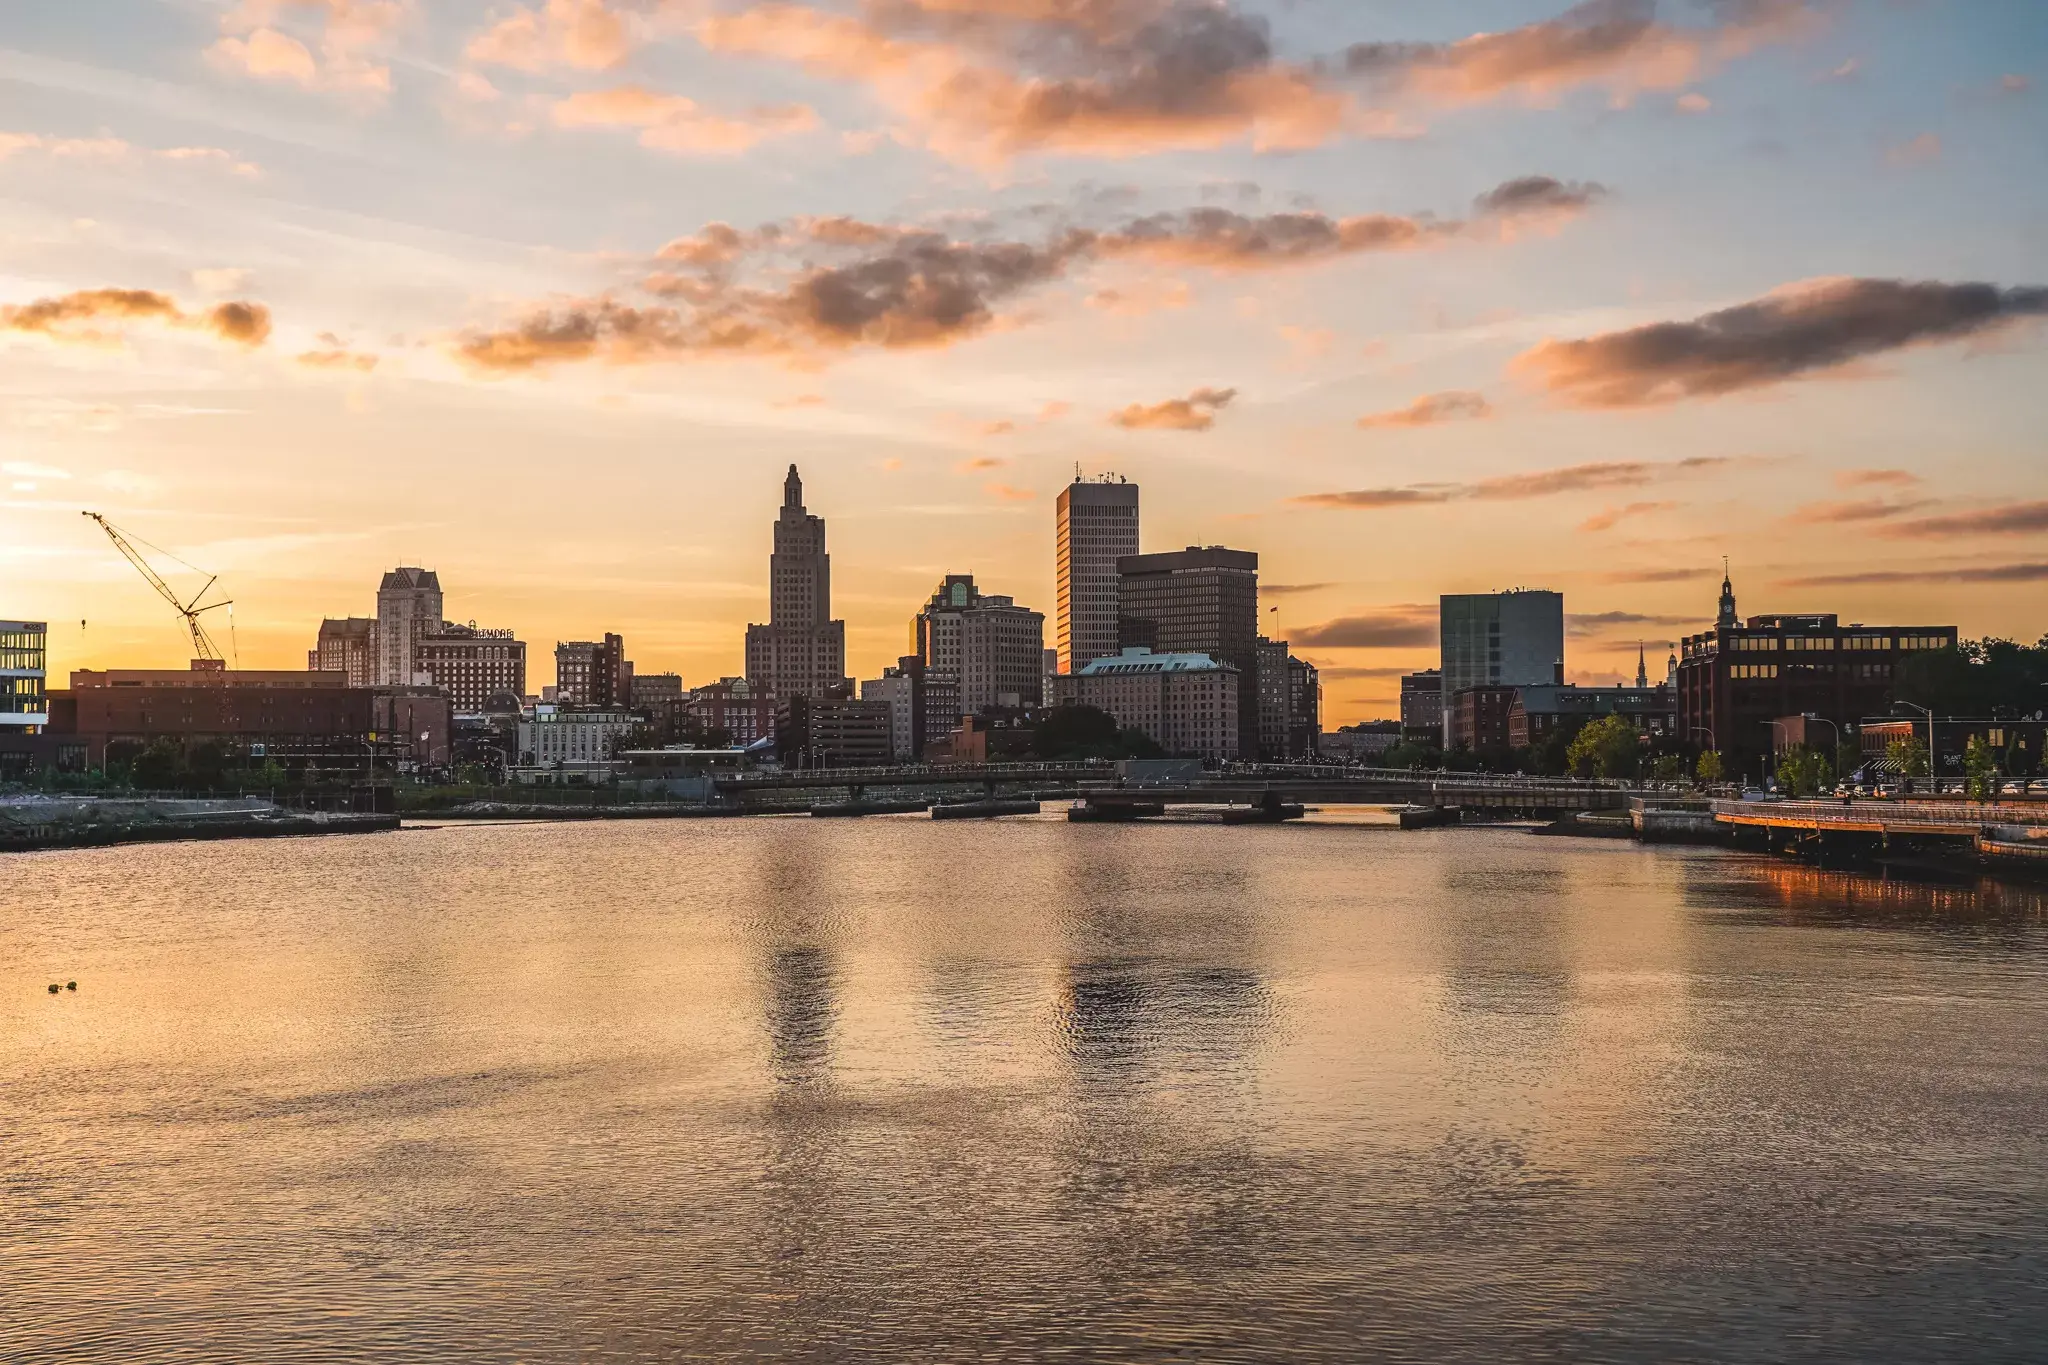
1794,893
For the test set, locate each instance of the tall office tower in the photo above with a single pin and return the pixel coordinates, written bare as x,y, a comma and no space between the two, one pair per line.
801,652
346,645
594,673
1499,639
1098,525
408,607
1197,601
993,648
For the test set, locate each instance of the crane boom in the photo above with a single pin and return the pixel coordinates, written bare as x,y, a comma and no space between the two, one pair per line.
202,643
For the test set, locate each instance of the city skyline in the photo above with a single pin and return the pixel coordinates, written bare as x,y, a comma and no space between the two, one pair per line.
1381,326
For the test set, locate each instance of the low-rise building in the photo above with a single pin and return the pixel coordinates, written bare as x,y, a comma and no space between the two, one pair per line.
1478,718
653,691
571,740
734,706
1364,742
311,722
832,732
1187,703
1422,706
1537,713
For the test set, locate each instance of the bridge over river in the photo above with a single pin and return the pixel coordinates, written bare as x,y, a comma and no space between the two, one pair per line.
1247,784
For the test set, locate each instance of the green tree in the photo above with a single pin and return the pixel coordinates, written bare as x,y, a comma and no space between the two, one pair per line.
1803,770
1980,769
160,767
1669,768
1607,747
1710,767
1907,757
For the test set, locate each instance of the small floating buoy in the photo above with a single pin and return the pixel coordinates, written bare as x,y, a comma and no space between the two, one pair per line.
53,988
71,985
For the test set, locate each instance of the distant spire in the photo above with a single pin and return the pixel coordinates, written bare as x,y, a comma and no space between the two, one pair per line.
793,490
1727,619
1642,673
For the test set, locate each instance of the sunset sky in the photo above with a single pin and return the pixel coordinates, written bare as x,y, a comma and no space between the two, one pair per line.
1407,297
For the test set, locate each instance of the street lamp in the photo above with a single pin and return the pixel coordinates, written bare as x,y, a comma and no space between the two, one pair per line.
1933,769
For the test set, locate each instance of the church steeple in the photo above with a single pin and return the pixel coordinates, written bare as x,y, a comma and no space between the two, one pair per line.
1727,619
793,490
1642,672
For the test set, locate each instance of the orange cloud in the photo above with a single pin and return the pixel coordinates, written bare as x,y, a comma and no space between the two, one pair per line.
1607,518
581,33
77,317
1196,412
1431,409
993,80
811,285
338,358
1616,44
352,34
1802,329
672,123
1006,493
1865,478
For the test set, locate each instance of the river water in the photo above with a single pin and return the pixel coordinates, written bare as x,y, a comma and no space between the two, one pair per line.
899,1089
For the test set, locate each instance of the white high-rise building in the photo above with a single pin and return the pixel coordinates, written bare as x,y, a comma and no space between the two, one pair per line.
1097,525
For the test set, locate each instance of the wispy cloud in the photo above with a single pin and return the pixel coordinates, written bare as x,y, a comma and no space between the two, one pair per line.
1541,483
1429,410
1607,518
1799,330
2010,519
674,123
1983,573
1196,412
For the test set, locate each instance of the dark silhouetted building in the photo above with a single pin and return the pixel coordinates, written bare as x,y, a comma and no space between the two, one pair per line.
1736,680
801,652
1422,707
594,673
1201,600
1498,639
348,646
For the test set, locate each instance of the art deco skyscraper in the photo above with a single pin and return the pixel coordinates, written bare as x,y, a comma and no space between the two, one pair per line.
801,652
408,607
1098,524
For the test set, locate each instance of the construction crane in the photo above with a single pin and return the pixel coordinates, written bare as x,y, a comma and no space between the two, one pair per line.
203,646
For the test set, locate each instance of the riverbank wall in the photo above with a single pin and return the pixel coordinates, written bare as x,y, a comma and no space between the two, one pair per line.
28,824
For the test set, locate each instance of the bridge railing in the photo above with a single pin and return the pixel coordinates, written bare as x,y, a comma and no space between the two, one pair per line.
1888,812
